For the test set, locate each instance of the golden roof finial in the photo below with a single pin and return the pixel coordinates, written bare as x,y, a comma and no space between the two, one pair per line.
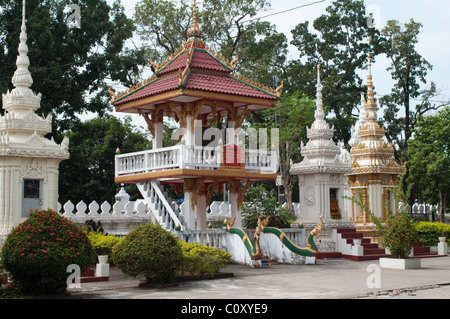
194,30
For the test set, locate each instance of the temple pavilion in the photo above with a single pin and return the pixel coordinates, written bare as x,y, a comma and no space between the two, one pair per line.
374,172
197,88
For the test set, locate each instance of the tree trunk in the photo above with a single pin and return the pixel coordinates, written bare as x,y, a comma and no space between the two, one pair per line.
442,204
288,196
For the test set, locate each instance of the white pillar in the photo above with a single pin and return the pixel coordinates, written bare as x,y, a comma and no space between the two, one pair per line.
375,194
189,212
188,136
235,210
158,138
201,212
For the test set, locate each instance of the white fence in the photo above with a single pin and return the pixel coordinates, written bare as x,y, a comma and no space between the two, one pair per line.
119,218
419,210
189,156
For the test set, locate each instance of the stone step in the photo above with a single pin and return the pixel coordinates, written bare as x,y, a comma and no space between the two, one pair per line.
328,255
352,236
374,251
89,276
346,230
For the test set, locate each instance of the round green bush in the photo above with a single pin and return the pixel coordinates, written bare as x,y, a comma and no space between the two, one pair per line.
36,253
151,251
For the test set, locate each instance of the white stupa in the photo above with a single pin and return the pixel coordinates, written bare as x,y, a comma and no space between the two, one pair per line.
29,162
321,174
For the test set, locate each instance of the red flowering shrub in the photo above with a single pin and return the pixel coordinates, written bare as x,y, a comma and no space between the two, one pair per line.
37,252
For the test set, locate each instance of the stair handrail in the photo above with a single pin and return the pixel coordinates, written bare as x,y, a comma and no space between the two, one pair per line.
166,204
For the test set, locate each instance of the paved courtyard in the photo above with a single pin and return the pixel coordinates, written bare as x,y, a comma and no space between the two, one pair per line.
328,279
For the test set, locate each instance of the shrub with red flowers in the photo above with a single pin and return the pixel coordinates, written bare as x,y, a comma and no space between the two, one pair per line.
36,253
399,235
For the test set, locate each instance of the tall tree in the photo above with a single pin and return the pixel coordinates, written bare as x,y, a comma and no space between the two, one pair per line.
408,101
429,158
292,116
228,26
70,66
339,43
89,172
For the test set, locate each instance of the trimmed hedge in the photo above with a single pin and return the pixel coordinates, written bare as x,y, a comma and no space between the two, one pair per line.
430,232
201,259
102,244
151,251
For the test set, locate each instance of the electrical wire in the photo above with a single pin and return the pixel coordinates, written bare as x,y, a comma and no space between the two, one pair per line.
284,11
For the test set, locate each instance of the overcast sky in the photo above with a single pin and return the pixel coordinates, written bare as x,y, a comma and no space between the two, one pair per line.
434,40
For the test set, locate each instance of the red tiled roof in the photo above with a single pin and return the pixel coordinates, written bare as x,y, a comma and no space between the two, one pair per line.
223,84
158,86
203,59
209,74
174,65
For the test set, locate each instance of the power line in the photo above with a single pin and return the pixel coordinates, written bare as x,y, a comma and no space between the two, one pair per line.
284,11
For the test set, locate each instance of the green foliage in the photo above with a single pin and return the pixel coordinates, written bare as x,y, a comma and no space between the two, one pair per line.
89,172
260,203
340,50
430,232
71,68
409,69
37,252
201,259
399,235
103,244
151,251
262,51
429,161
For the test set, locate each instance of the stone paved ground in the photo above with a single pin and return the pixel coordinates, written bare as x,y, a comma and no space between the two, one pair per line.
328,279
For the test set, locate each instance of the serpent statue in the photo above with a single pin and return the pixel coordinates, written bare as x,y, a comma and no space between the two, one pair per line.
253,246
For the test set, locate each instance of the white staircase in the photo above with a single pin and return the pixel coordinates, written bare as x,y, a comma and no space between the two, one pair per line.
158,205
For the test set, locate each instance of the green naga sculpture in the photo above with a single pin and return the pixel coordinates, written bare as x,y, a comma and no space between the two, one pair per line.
253,246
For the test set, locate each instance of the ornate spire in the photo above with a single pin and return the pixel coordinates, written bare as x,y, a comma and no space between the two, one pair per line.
320,153
22,79
320,114
370,98
22,98
371,104
195,30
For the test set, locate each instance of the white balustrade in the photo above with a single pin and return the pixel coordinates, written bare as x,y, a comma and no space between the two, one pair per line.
190,156
214,238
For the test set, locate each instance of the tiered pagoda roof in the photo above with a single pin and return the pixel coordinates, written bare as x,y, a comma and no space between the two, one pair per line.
196,72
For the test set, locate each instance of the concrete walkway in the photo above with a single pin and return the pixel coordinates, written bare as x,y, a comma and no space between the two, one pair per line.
328,279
